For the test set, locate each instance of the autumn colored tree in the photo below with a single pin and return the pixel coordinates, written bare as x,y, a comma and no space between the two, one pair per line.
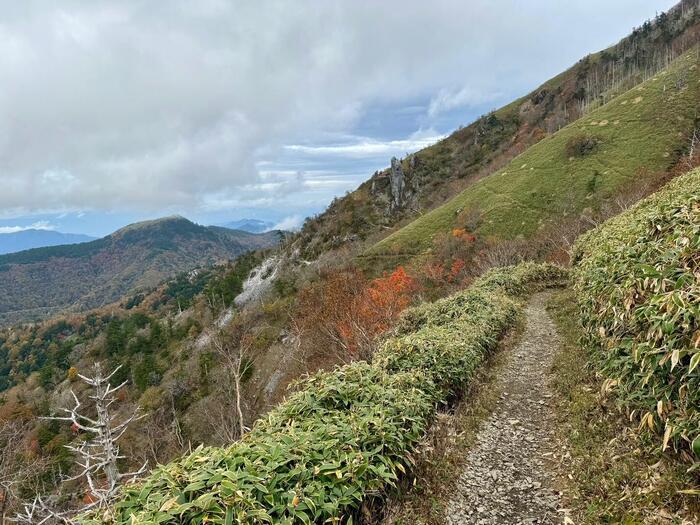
386,298
346,313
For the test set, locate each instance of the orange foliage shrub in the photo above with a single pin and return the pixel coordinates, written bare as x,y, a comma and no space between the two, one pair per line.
461,233
386,298
346,313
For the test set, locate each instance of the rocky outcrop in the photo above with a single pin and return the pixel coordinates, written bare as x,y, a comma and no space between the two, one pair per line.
392,185
259,282
396,183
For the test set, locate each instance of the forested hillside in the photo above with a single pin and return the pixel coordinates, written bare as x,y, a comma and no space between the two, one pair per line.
35,283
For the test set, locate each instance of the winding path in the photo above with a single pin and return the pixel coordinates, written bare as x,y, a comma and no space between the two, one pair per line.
510,473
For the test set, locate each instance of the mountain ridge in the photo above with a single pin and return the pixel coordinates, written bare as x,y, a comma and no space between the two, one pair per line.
433,175
249,225
98,272
637,136
167,341
13,242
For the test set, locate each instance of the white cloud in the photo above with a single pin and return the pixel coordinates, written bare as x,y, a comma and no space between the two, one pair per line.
291,223
171,105
39,225
450,99
364,147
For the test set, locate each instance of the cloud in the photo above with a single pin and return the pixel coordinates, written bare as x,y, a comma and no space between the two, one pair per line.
291,223
364,147
39,225
449,99
161,106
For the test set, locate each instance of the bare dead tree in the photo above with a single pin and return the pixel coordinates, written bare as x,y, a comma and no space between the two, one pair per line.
235,352
297,332
690,160
97,456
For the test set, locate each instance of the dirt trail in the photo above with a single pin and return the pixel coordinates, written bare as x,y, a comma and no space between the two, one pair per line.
509,476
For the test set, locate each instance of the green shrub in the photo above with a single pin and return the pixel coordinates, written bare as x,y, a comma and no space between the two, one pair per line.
581,145
637,279
346,436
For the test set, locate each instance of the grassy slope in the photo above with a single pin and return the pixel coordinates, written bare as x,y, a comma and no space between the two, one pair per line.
640,131
435,174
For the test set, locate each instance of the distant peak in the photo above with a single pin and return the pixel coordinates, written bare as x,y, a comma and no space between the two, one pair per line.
153,222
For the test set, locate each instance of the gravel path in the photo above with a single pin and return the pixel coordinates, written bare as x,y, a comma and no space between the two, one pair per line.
509,475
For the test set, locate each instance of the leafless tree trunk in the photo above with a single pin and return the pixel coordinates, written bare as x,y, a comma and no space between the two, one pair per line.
690,160
235,352
97,457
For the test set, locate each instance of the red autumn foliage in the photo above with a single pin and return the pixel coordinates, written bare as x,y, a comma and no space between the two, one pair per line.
463,234
456,270
386,298
347,312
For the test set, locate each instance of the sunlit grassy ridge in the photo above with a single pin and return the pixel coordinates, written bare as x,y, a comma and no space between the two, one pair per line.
637,134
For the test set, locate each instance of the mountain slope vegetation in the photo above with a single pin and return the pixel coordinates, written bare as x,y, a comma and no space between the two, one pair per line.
41,281
630,140
318,455
638,288
435,174
345,438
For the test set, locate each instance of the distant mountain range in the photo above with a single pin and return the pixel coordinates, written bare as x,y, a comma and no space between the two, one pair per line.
32,238
250,225
38,282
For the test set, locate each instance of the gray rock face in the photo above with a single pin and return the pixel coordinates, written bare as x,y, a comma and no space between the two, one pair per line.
259,281
395,188
397,183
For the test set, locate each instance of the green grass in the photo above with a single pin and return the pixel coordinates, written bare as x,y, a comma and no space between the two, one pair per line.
640,133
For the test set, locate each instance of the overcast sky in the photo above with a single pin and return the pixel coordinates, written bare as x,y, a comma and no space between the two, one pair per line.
116,111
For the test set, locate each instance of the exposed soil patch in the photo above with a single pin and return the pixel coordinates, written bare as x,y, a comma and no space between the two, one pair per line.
510,474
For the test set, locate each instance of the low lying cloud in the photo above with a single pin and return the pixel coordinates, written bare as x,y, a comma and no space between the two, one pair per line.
367,147
291,223
450,99
40,225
